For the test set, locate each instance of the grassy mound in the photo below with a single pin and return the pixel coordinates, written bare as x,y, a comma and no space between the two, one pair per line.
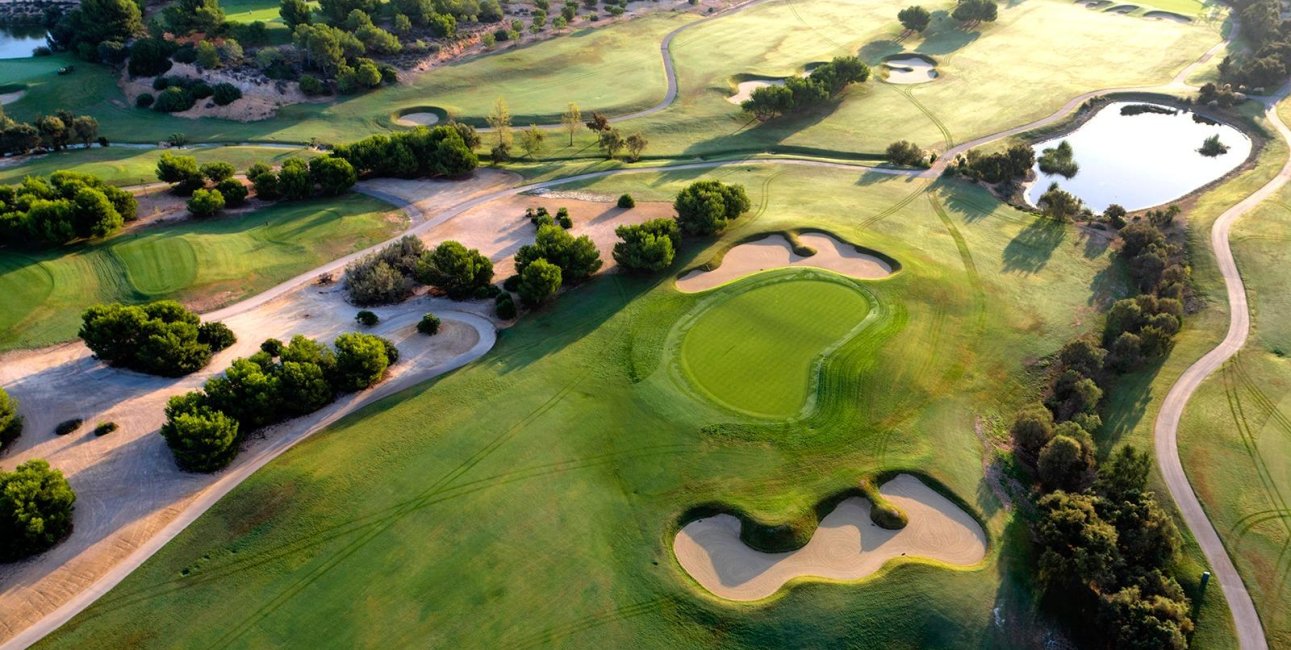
883,513
755,351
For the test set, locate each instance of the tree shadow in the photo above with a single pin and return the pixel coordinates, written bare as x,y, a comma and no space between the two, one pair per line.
875,51
970,208
1128,403
1031,249
1096,241
946,36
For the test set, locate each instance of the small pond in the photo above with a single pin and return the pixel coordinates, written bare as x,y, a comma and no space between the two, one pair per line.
1143,159
17,41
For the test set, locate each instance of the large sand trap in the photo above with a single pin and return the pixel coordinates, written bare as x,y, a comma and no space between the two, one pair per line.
744,89
1166,15
775,252
910,70
846,546
417,119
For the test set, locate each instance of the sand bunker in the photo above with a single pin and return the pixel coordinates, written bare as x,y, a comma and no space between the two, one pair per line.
910,70
744,89
417,119
1166,15
846,546
1123,9
9,98
775,252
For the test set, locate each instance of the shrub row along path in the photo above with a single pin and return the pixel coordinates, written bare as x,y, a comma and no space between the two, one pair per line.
48,590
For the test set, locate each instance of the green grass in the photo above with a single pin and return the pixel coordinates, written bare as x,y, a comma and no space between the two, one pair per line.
129,166
756,351
531,497
208,263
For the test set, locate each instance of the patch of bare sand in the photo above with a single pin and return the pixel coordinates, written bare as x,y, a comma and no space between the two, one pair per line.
417,119
910,70
846,546
9,98
499,228
744,89
774,251
260,101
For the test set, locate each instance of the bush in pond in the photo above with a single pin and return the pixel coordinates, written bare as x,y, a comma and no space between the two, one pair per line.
1213,147
1058,160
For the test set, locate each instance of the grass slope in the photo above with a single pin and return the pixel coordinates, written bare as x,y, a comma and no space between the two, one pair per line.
530,498
210,263
130,166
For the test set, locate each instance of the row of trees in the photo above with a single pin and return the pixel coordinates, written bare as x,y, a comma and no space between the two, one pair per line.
1269,62
443,150
1010,165
159,338
61,208
213,185
970,12
1106,545
204,428
799,93
47,133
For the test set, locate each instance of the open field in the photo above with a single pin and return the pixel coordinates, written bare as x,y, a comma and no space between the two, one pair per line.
208,263
573,438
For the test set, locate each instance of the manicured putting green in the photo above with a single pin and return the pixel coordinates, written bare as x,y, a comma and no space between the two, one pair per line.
756,351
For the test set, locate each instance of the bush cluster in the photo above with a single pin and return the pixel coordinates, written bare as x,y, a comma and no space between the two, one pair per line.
1059,160
46,133
204,428
648,247
1010,165
443,150
428,325
1269,59
10,420
705,207
904,152
1105,543
36,505
386,276
564,259
295,180
159,338
799,93
60,208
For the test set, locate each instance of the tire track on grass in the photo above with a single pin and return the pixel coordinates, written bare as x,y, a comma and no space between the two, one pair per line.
561,632
1274,493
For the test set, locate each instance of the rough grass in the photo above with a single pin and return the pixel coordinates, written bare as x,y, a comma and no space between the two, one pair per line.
529,499
756,351
208,263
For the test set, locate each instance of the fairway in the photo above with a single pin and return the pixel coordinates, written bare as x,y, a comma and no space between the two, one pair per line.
757,350
208,263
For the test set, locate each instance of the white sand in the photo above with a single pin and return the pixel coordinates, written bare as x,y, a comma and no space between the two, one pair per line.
774,252
744,89
909,70
417,119
846,546
9,98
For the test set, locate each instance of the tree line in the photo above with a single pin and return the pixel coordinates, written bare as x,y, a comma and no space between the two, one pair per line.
204,428
60,208
1106,546
801,93
158,338
52,132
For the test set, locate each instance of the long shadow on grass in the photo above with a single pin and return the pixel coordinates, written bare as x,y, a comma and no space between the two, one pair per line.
946,36
1031,249
1126,406
749,136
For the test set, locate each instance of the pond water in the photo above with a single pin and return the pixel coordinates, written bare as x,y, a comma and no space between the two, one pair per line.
1141,160
17,41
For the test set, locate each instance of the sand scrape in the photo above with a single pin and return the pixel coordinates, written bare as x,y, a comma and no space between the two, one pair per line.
910,70
774,251
846,546
417,119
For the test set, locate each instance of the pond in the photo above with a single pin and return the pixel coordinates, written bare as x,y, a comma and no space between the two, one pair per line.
1142,159
17,41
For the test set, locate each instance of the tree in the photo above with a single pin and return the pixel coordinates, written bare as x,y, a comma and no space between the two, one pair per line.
1032,429
159,338
532,140
188,16
295,12
455,269
367,318
914,18
577,258
361,361
225,93
84,129
1077,547
500,121
904,152
648,247
333,176
1065,462
36,505
636,144
572,120
705,207
1059,203
428,325
1073,394
201,439
539,281
971,12
233,191
294,181
769,102
598,122
1083,356
180,171
10,420
611,142
206,203
97,21
217,171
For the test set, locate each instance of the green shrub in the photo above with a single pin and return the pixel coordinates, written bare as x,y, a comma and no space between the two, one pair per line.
539,281
226,93
201,90
205,203
104,428
36,505
386,276
144,100
10,421
361,361
458,271
233,191
429,325
173,100
627,202
201,439
705,207
367,318
67,426
311,85
215,335
160,338
504,306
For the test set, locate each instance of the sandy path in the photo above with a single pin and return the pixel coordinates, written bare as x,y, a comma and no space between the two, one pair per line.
909,70
774,252
744,89
846,546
